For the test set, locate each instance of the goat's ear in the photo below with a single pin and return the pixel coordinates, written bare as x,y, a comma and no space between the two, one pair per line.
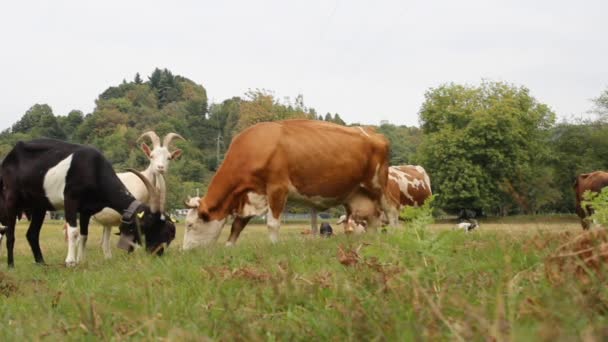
175,154
146,149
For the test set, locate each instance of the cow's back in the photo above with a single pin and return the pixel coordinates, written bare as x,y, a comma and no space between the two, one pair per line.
312,158
409,185
594,182
26,165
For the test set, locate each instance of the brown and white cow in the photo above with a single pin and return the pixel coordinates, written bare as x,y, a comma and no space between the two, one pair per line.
314,162
593,182
408,185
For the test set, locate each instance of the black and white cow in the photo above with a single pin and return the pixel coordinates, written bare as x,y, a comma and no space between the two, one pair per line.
47,174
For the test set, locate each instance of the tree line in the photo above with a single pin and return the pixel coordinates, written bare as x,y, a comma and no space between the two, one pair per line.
491,146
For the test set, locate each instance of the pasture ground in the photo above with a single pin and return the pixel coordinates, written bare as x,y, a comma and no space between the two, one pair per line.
406,284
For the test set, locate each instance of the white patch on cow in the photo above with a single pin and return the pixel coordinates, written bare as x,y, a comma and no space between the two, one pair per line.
405,182
105,242
54,182
273,226
341,219
200,233
70,260
257,205
1,237
363,131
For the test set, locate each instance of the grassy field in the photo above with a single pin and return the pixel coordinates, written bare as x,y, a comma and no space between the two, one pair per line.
406,284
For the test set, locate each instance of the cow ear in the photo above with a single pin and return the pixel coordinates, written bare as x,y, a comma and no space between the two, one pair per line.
146,149
203,212
176,154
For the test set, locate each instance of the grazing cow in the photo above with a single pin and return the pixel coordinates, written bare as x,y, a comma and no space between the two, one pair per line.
47,174
593,182
408,185
326,230
159,157
314,162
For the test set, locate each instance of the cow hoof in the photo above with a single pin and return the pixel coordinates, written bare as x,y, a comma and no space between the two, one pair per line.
229,244
71,264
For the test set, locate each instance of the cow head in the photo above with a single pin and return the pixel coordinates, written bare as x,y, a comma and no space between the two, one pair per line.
160,155
201,228
150,221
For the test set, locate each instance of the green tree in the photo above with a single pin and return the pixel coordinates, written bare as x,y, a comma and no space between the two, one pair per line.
404,142
38,122
261,106
484,145
337,119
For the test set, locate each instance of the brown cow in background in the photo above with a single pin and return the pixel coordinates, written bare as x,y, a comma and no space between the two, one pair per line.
593,182
408,185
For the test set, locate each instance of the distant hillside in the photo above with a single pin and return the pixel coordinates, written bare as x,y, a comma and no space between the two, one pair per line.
171,103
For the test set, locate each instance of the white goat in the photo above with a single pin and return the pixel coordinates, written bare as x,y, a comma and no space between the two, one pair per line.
159,157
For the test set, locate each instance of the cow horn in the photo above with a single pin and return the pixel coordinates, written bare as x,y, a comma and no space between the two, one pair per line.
154,196
188,203
170,137
153,137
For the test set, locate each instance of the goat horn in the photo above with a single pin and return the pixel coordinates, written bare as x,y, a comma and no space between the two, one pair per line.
162,198
169,137
154,197
153,137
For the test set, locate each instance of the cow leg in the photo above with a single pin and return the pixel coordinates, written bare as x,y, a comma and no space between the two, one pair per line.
348,228
105,242
70,217
276,203
10,236
392,213
313,221
33,234
238,225
82,238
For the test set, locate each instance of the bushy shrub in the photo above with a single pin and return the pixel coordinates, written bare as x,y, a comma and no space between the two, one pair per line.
599,203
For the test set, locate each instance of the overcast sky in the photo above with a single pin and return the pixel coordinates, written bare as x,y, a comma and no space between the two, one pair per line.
366,60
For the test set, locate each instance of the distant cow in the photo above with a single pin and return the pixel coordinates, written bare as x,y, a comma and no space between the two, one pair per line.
314,162
47,174
468,225
326,230
593,182
408,185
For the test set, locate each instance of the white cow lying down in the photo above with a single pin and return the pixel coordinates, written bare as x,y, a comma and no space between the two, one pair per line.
467,226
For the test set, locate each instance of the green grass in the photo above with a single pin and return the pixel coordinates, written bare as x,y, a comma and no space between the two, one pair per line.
428,284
